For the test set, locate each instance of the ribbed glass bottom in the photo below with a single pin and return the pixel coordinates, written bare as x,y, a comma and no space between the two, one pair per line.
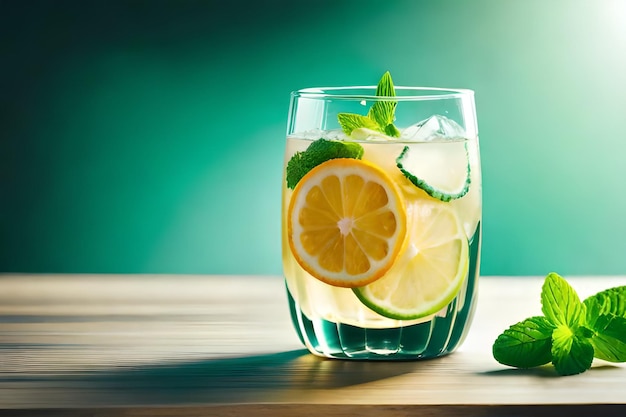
437,337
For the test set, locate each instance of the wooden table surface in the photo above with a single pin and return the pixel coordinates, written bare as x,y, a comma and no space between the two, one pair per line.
180,345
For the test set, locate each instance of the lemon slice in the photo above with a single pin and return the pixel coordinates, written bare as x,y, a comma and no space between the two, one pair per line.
429,273
346,222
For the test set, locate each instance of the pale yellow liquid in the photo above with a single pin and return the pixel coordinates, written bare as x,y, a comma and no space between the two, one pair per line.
440,162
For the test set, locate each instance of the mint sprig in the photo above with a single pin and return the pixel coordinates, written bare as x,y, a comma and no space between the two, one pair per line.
570,334
380,116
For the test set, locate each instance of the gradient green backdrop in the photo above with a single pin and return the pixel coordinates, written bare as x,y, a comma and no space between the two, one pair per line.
147,136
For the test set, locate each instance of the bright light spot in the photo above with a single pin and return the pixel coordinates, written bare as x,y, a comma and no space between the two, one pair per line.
363,102
615,13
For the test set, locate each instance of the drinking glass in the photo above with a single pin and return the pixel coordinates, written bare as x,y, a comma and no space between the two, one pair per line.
381,225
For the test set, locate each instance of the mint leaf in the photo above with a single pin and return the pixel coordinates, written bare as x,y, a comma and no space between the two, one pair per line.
392,130
525,344
611,301
560,303
383,111
385,87
319,151
349,122
606,315
594,308
609,340
571,354
380,116
578,331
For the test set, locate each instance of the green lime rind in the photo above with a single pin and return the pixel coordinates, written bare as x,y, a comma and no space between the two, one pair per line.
320,150
429,189
397,314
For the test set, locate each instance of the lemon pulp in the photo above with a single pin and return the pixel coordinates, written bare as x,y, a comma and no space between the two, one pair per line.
346,222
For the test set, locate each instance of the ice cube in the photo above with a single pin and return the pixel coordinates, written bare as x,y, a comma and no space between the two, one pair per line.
335,134
359,134
435,127
311,134
315,134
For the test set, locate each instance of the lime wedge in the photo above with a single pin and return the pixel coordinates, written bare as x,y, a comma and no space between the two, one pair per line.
428,274
441,169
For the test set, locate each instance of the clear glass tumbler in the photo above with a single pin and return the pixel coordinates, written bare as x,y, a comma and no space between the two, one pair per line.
381,220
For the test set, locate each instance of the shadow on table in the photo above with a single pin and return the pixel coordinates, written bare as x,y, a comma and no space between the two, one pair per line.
545,371
240,379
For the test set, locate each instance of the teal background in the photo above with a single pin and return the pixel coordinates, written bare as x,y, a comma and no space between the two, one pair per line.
147,136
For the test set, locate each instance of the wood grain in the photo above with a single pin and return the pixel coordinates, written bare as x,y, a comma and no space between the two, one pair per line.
223,345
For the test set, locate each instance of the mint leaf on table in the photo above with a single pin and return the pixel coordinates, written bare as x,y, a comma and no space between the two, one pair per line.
611,301
319,151
570,334
559,302
609,339
380,116
571,353
525,344
606,315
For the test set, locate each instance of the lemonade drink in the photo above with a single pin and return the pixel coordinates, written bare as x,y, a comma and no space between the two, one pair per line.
381,236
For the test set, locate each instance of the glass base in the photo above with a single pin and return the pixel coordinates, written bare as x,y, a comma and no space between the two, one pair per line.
437,337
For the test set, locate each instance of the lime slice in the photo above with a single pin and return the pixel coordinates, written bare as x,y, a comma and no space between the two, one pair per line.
429,272
317,152
441,169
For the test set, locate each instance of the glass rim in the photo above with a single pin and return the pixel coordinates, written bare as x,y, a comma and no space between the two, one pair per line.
360,93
